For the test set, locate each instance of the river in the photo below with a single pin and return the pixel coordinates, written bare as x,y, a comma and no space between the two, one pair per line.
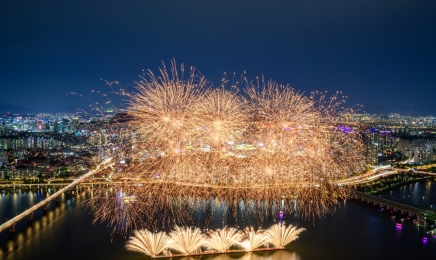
354,231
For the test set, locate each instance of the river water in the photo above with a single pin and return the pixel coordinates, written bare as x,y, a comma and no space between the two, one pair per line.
355,231
418,193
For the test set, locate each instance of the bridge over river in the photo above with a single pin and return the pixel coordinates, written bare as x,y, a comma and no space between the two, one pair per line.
378,173
421,212
11,223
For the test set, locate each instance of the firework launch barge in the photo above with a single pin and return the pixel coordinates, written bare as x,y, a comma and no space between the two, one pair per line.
218,252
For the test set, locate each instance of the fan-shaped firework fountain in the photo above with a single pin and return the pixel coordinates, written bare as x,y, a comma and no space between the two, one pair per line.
147,242
189,241
191,142
253,239
186,240
222,239
279,235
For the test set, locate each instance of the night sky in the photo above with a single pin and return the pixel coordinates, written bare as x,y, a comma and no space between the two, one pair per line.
382,54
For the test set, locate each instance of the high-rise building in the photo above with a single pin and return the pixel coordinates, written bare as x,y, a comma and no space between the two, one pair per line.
3,158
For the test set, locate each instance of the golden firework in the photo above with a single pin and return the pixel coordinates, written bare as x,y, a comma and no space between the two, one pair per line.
192,143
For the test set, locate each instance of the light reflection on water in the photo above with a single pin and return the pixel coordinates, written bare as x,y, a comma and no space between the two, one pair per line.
17,200
420,193
356,230
272,255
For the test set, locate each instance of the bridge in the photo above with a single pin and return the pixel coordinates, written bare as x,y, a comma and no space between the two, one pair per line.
374,174
414,171
358,179
11,223
411,209
420,212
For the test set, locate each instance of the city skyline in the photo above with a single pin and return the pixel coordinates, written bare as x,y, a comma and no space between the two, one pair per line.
381,55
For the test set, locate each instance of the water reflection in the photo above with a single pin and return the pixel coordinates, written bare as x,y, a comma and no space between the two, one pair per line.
271,255
398,228
13,201
420,193
333,237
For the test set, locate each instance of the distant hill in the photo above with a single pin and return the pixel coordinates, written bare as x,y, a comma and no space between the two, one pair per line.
9,109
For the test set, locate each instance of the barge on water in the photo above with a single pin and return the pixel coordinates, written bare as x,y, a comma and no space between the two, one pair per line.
218,252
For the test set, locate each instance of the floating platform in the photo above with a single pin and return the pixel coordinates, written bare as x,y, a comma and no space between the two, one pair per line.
220,253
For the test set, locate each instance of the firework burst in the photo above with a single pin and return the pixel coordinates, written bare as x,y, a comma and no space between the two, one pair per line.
217,118
162,107
189,143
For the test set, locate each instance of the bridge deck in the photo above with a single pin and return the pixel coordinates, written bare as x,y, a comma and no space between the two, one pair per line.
411,208
27,212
